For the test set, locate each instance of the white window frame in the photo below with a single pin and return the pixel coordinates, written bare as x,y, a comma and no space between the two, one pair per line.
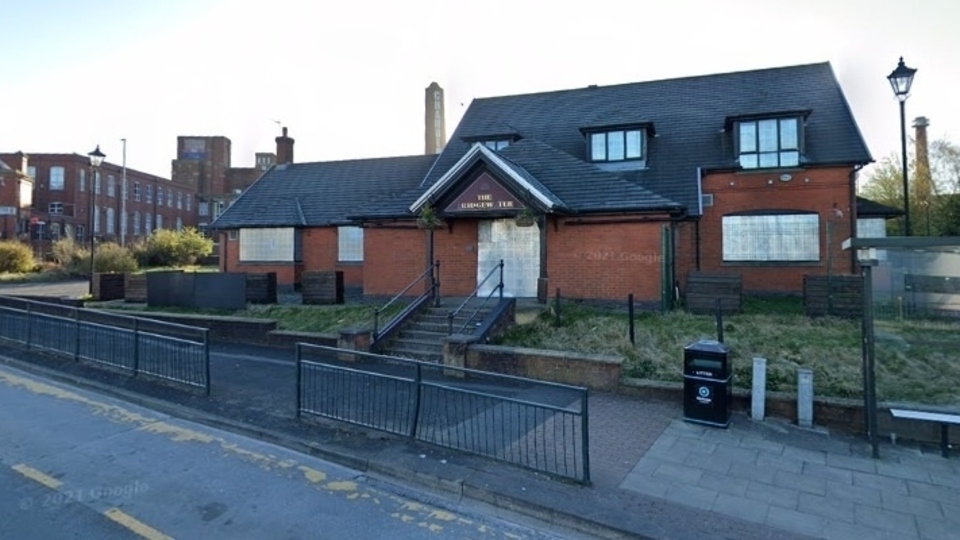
136,223
267,245
158,219
83,180
147,223
350,244
111,225
56,178
148,193
55,208
136,191
788,237
159,195
111,186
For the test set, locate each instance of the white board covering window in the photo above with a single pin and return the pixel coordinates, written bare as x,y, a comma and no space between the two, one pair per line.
350,244
267,245
771,238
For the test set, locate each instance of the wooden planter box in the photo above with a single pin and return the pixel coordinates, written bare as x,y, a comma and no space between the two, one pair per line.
135,287
108,286
262,288
705,288
325,287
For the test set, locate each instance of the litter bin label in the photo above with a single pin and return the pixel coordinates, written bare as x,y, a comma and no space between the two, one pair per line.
703,395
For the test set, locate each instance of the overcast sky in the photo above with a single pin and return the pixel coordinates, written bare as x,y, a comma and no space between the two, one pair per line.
348,78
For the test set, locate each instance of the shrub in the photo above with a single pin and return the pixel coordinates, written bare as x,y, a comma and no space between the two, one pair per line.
15,257
112,257
72,257
165,247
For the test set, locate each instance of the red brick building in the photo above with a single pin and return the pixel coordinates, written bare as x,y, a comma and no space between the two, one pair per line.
16,198
631,187
66,193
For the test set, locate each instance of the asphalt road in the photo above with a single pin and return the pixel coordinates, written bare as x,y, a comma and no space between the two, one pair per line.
71,289
76,464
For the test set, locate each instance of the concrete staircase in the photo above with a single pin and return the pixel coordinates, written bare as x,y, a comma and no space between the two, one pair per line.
422,337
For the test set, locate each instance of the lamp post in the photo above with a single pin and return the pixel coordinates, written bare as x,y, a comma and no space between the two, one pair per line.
96,159
901,79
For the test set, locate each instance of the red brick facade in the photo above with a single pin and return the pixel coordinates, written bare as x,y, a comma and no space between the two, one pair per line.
63,209
826,191
602,257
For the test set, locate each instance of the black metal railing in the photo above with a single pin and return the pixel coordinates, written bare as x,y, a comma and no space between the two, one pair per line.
534,424
476,294
169,351
431,278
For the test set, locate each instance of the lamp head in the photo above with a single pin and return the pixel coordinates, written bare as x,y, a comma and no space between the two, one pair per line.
901,79
96,157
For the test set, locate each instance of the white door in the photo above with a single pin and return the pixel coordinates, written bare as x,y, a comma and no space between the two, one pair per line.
519,247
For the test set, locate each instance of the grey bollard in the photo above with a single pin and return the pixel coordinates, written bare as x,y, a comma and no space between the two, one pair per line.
759,394
805,397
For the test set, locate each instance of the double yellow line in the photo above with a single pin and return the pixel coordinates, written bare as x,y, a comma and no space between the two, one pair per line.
114,514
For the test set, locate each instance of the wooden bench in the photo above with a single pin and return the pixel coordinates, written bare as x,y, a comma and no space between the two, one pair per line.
943,419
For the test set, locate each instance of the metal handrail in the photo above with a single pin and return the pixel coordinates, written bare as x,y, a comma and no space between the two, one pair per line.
453,314
433,290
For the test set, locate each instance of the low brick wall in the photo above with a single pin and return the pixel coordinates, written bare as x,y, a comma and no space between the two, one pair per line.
231,329
593,371
842,415
287,339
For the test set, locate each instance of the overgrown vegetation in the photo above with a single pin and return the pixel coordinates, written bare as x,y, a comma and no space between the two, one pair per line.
907,369
165,247
15,257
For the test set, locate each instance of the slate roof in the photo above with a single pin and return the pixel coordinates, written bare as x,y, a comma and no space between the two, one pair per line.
688,122
872,209
689,116
323,193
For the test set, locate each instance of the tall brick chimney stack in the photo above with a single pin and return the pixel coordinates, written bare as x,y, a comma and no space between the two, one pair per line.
284,148
435,131
922,183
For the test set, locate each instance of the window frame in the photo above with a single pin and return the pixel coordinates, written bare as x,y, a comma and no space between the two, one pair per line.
623,132
780,152
759,244
55,208
267,245
349,246
111,186
61,178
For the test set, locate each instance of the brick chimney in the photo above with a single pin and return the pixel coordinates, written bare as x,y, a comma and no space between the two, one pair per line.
435,131
922,183
284,148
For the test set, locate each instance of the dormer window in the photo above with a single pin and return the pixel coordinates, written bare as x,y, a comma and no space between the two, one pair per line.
616,145
769,143
496,144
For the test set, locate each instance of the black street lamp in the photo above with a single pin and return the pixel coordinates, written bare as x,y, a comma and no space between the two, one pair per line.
96,159
901,79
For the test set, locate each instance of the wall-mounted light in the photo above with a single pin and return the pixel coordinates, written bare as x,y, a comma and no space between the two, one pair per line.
785,178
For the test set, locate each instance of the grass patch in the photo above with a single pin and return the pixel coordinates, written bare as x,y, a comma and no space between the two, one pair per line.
44,276
920,362
294,317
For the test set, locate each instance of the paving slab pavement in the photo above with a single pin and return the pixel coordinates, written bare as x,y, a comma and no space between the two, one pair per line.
805,481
